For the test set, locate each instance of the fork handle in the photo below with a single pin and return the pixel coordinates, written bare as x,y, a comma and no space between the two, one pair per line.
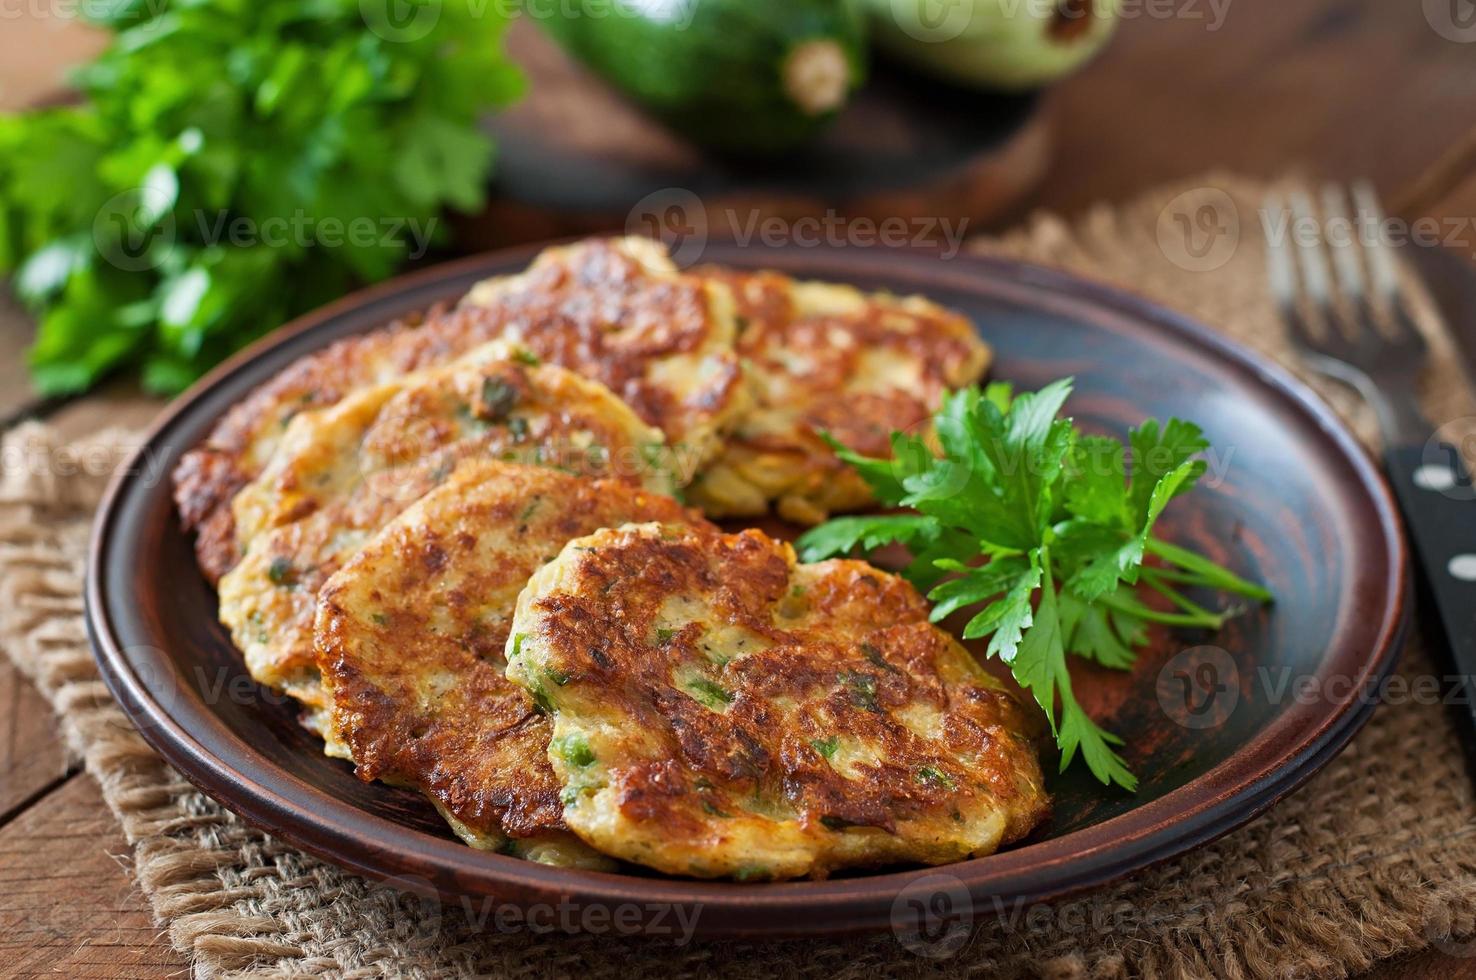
1438,502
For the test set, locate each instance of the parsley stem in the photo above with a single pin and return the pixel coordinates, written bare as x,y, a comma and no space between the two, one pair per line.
1203,619
1210,573
1154,581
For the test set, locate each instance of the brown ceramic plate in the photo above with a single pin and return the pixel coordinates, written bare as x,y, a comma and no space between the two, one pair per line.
1218,727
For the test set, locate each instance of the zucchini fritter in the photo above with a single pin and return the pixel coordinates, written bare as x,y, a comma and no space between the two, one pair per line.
410,639
615,310
661,340
344,472
828,358
719,710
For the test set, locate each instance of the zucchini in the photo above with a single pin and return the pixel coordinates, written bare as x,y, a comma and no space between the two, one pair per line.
1009,45
747,77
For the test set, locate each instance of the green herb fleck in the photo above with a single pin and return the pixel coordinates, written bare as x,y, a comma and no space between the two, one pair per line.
874,656
574,750
709,694
496,400
281,572
862,688
663,634
933,776
524,356
825,746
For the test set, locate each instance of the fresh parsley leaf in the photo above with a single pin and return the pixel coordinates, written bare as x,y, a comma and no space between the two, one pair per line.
1098,489
845,534
233,164
1091,632
1157,452
1014,501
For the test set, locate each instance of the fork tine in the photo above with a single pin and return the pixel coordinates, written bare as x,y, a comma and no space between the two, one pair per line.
1343,248
1281,270
1280,266
1380,263
1380,259
1311,260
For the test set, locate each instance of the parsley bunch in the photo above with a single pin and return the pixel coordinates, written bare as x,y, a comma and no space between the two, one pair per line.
235,162
1043,506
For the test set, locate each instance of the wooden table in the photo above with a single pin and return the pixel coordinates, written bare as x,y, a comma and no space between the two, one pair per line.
1337,88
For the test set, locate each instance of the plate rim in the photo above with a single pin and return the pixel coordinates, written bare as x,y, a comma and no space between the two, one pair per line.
1060,866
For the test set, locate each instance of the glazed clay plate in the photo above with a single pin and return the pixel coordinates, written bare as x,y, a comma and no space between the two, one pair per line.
1218,727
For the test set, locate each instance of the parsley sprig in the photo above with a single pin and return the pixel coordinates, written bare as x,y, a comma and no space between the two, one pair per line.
231,164
1045,530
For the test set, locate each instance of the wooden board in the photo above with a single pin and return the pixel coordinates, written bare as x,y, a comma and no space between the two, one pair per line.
574,157
67,905
32,759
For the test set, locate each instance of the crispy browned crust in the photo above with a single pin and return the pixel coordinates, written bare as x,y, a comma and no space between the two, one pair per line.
344,473
208,476
830,394
706,744
595,308
813,350
427,606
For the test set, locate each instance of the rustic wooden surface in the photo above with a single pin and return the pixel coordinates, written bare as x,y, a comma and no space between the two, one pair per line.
1338,88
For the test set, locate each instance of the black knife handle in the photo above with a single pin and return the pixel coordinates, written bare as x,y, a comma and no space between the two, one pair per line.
1438,502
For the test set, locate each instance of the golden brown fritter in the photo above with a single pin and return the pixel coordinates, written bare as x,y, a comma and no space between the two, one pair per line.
411,634
661,340
615,310
828,358
344,472
719,710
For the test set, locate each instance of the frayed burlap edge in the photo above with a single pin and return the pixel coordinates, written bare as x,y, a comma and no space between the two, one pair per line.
1371,859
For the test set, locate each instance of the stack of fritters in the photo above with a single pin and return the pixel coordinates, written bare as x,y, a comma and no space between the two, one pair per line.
456,542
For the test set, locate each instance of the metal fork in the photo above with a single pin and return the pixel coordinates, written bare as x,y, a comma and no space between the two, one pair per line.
1338,290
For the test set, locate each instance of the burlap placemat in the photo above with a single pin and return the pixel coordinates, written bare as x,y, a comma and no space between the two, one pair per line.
1373,857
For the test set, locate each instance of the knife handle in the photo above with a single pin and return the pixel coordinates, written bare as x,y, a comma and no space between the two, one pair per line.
1438,502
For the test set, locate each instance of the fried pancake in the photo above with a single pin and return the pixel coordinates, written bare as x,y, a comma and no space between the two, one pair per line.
719,710
411,634
615,310
661,340
344,472
827,358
